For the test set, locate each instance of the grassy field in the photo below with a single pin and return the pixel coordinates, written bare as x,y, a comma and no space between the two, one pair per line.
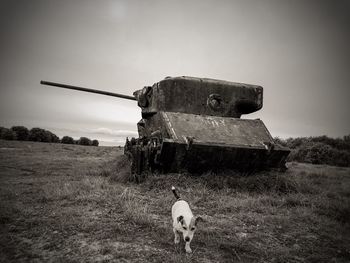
68,203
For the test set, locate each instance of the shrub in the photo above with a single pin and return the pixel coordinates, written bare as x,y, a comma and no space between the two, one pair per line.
38,135
7,134
336,143
54,137
318,150
95,143
296,142
84,141
122,170
67,140
22,132
319,153
41,135
280,141
2,130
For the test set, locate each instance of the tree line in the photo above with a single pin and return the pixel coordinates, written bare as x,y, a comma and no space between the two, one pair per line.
318,150
22,133
315,150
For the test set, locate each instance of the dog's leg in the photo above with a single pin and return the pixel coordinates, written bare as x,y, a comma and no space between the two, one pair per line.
187,247
177,237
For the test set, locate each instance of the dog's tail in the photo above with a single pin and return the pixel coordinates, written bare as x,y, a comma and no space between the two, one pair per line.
174,192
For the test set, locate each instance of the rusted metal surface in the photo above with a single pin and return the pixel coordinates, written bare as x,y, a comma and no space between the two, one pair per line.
198,143
200,96
201,157
216,130
194,124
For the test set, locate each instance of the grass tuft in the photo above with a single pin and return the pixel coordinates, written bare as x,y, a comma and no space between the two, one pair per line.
135,210
257,183
122,170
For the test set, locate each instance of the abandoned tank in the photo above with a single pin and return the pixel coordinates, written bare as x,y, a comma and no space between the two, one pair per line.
194,124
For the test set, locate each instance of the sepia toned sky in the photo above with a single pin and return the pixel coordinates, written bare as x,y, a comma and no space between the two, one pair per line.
297,50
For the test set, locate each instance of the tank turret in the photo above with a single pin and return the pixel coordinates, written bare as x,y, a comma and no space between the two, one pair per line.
195,124
200,96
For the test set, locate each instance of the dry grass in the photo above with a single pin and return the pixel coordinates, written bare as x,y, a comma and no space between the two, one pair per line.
121,171
75,203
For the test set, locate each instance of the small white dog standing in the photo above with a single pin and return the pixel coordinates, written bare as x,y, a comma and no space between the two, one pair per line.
183,221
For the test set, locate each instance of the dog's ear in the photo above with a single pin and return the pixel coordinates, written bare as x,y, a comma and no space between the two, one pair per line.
180,219
198,219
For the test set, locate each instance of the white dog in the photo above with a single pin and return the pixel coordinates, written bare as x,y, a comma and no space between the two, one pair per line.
183,221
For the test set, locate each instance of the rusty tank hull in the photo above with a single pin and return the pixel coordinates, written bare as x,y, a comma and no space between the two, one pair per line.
198,143
195,124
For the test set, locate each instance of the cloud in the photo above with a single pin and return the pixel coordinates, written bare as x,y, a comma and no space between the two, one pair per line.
107,131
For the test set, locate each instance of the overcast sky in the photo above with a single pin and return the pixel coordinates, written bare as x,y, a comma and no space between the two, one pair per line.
297,50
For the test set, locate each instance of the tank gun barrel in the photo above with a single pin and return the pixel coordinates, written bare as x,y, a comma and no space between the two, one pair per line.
107,93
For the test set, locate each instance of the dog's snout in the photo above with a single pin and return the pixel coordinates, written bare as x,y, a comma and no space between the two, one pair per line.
187,239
